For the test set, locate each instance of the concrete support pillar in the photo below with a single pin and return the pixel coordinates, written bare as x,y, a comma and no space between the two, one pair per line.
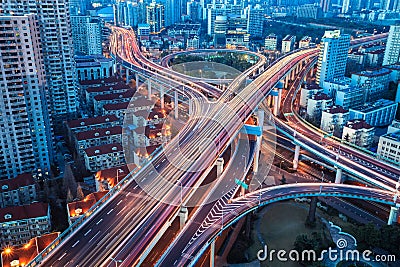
339,175
394,211
292,75
242,191
287,80
183,216
162,97
296,157
137,80
257,154
260,115
120,69
279,98
176,105
127,76
149,89
212,254
220,166
276,105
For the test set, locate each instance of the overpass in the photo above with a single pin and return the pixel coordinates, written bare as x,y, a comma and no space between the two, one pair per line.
173,172
224,215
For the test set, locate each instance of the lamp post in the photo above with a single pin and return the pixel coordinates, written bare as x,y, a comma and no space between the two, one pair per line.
116,261
280,166
6,251
119,171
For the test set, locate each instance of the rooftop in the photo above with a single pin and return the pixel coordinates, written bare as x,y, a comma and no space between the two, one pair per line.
111,79
320,96
91,121
17,213
155,113
151,130
335,110
358,124
393,136
393,67
288,38
110,175
127,94
372,106
80,207
103,149
30,250
146,151
374,73
102,88
21,180
98,133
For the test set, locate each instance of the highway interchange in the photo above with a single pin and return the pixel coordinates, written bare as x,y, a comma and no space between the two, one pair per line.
126,226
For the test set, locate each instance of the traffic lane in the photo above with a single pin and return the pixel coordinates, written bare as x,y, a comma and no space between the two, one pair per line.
91,228
235,170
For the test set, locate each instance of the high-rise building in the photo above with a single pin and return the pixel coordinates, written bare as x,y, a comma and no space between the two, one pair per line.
214,10
392,51
390,5
173,11
78,7
325,5
255,22
53,21
332,58
25,132
86,34
155,17
127,13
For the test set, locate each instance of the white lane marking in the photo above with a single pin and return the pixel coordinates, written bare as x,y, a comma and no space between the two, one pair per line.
136,187
128,194
120,210
110,211
94,236
88,232
99,221
62,256
157,166
119,202
175,148
163,160
75,243
150,172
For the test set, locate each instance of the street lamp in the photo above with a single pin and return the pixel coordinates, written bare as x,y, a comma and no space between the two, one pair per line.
116,261
7,251
119,171
280,166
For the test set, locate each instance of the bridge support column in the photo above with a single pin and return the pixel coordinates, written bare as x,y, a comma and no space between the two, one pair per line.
296,157
120,70
339,176
183,216
293,74
276,104
220,166
149,89
260,115
127,76
176,105
212,254
394,213
286,81
162,97
137,80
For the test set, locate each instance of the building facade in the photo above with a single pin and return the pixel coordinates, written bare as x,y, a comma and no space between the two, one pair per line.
334,119
288,43
359,133
21,223
17,191
57,50
25,130
86,34
392,51
332,57
379,113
